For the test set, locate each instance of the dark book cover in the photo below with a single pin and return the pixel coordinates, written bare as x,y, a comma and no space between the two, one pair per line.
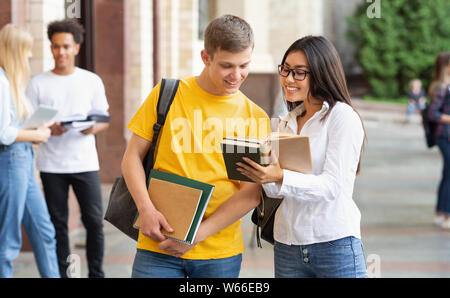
233,150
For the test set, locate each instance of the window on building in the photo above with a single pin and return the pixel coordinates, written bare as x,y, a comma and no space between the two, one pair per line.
203,17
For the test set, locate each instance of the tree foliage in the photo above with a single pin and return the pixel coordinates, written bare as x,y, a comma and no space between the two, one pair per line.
400,45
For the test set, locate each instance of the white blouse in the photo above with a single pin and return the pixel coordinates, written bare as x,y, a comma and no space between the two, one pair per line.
9,124
319,207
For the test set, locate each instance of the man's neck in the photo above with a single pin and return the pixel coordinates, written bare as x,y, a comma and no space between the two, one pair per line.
204,83
64,71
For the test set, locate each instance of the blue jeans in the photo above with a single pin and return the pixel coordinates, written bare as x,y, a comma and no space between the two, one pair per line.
22,202
342,258
443,203
412,107
148,264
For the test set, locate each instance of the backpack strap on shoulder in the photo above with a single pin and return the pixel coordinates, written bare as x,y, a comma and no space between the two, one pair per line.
167,93
169,88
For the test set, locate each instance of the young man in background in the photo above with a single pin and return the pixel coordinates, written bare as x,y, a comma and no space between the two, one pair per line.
70,158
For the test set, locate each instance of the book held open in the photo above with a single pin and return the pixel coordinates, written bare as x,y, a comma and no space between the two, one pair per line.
293,153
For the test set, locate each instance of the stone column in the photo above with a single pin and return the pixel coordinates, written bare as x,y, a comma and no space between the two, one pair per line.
12,11
261,85
110,65
180,55
139,56
256,13
39,14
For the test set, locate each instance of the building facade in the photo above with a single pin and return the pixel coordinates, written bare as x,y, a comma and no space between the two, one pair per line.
131,44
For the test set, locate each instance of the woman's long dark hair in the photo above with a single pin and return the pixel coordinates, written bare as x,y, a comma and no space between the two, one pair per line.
441,62
327,78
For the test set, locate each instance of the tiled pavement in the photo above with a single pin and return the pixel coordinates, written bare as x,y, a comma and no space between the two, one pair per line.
396,193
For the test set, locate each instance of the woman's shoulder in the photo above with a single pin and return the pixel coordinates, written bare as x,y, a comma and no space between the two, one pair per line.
342,108
4,83
345,113
439,89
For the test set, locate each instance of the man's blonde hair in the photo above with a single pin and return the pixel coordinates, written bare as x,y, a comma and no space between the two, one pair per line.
228,33
15,45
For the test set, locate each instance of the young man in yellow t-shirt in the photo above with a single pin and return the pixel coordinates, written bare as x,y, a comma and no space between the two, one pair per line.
206,109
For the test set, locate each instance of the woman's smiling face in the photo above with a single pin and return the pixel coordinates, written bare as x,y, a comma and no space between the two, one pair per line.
296,90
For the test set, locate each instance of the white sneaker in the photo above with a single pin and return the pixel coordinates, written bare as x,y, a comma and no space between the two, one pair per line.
438,220
446,224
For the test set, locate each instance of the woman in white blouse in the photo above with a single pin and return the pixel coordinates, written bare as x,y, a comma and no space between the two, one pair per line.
317,227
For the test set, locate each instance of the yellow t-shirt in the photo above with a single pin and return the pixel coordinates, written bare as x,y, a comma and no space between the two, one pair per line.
189,145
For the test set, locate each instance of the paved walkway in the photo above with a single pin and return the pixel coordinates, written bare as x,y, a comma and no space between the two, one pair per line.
396,193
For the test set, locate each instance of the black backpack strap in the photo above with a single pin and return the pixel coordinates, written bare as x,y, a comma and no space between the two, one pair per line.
167,93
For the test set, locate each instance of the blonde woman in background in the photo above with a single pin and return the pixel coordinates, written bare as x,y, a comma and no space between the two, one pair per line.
21,199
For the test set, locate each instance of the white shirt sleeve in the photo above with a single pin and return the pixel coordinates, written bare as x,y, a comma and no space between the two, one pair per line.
8,133
272,190
99,101
345,136
32,94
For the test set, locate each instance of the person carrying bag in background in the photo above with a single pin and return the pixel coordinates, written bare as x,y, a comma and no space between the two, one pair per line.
439,113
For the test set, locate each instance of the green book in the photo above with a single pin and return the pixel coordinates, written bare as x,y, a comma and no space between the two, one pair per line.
181,200
235,148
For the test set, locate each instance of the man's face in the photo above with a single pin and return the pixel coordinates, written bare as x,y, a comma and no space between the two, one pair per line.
64,50
227,70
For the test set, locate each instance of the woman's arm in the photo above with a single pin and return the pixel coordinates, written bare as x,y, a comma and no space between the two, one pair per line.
10,134
38,136
345,138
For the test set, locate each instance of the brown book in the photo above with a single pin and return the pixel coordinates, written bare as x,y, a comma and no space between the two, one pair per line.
293,151
182,201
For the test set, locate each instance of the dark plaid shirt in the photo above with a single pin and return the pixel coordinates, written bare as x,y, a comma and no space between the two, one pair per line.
440,104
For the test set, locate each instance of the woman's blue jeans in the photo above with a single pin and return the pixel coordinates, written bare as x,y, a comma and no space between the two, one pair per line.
22,202
443,203
341,258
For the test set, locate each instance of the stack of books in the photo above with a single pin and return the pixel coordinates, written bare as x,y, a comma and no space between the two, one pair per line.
80,122
181,200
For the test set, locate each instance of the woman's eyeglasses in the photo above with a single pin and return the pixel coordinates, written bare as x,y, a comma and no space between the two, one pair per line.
298,74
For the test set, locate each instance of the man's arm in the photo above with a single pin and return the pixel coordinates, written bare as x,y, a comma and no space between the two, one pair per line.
236,207
133,172
96,128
